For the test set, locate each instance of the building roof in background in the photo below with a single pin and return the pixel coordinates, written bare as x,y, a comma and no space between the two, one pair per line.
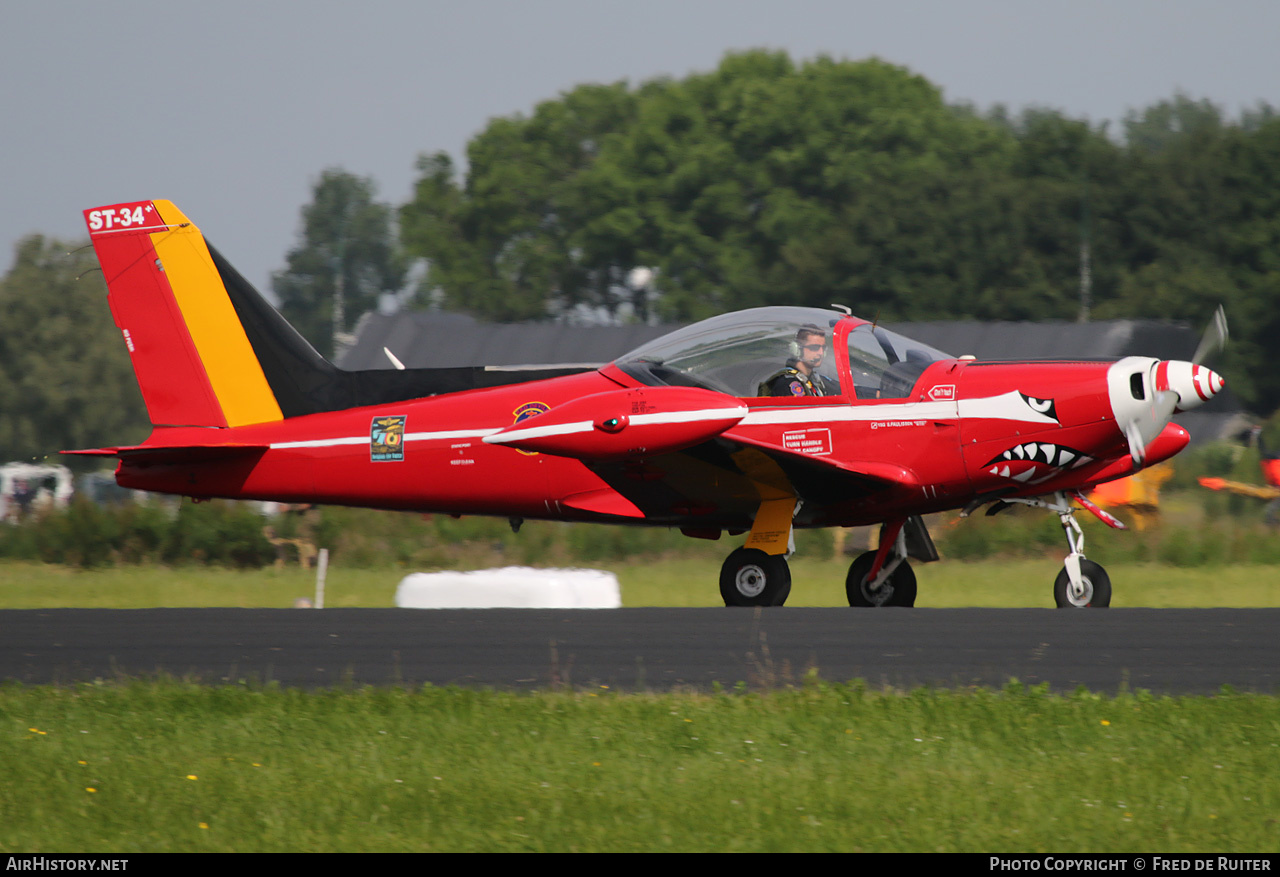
436,339
1104,339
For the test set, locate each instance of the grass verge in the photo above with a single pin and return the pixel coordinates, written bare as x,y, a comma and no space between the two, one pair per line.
140,767
678,581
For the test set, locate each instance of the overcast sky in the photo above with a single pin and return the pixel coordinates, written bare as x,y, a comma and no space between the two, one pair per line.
231,109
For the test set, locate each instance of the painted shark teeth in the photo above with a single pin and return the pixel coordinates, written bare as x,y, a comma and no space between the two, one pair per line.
1039,452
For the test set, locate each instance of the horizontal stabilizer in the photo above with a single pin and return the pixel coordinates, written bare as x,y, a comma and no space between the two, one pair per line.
174,453
621,424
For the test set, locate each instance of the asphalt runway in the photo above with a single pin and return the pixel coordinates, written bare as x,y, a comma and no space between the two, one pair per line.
1173,651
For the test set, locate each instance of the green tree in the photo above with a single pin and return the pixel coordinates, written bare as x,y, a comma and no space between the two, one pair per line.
1168,123
768,182
759,182
346,259
65,377
505,243
1198,224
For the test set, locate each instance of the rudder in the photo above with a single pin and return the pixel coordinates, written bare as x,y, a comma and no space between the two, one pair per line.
209,351
194,363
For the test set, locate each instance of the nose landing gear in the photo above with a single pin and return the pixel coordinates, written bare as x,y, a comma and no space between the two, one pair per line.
1093,592
1082,584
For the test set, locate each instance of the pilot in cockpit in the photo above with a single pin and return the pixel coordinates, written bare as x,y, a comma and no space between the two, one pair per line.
800,377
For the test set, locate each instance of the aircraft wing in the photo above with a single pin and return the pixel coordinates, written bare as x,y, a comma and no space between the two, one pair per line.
674,454
623,424
650,421
721,482
885,474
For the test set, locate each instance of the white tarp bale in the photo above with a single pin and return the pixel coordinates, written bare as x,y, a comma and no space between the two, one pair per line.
514,587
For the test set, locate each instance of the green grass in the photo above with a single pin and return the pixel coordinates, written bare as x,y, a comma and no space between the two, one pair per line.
29,585
140,767
176,767
671,581
952,584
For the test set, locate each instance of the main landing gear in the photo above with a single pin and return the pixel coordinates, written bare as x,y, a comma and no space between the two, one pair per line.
883,577
894,588
751,577
1082,584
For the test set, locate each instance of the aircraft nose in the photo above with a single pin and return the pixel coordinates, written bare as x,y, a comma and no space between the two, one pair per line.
1193,383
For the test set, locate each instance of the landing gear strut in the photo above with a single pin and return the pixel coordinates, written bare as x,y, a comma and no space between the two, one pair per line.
883,577
1082,583
897,589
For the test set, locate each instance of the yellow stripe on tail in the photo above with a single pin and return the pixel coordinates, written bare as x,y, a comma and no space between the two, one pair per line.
228,358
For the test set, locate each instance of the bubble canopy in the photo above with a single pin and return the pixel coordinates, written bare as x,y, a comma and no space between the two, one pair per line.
739,353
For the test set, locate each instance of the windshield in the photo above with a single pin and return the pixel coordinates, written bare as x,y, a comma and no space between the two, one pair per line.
743,353
782,351
884,364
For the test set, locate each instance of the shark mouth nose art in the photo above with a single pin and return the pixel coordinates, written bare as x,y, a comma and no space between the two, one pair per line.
1035,461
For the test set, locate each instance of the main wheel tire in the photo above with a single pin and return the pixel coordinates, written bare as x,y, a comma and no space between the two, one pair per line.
750,577
898,590
1097,588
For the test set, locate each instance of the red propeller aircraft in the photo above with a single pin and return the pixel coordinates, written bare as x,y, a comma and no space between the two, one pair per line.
683,432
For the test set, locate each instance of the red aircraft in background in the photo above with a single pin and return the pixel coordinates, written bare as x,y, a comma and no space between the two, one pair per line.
1269,460
679,433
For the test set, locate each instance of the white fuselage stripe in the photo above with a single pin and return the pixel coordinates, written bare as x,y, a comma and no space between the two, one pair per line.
540,432
1009,406
691,416
364,439
578,426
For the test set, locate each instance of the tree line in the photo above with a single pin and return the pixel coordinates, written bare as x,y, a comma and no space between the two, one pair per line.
770,181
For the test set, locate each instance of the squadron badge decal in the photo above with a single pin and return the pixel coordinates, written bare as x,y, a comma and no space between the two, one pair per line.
386,439
527,410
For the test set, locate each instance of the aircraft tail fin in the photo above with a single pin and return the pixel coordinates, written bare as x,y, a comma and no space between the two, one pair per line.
209,351
206,348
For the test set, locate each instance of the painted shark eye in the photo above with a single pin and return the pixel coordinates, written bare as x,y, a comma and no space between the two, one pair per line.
1042,406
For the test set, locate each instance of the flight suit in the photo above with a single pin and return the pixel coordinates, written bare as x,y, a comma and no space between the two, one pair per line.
793,382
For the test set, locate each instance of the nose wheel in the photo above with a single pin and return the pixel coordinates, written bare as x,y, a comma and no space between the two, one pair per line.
1082,584
1094,591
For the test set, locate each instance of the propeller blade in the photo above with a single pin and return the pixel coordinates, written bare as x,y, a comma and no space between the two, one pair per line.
1214,337
1137,447
1143,429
